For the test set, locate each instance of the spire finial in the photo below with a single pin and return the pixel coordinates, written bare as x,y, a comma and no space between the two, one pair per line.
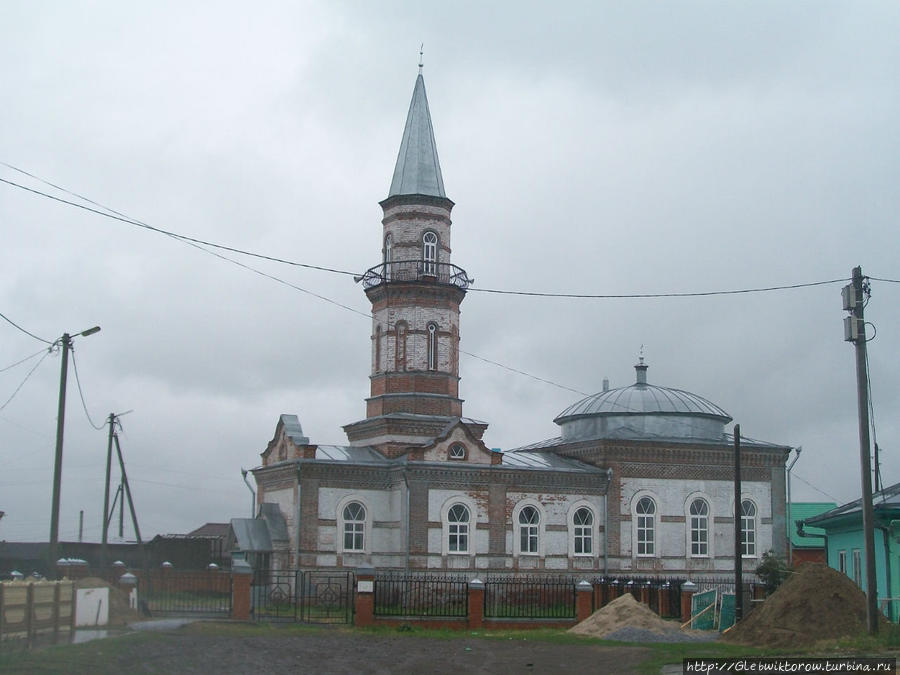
421,50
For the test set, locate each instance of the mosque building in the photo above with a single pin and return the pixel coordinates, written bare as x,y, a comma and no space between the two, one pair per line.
639,481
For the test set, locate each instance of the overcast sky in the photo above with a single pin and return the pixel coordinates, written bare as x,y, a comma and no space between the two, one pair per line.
596,148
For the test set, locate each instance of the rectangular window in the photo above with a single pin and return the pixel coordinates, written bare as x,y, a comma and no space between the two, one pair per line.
645,535
583,543
353,536
459,538
528,541
842,562
857,567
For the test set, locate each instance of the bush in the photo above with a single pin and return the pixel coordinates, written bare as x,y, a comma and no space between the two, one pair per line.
772,571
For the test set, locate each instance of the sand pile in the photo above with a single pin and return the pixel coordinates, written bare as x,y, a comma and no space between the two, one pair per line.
120,613
815,603
623,612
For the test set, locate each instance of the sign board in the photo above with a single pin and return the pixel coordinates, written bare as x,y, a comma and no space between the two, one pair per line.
703,610
91,607
726,612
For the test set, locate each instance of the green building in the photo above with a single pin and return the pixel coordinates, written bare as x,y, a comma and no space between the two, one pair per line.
845,545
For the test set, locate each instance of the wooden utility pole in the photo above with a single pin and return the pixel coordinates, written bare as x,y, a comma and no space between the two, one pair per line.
854,297
738,544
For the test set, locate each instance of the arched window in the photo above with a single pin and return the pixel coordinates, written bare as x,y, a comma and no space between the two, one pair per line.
354,517
529,520
429,253
699,523
748,529
457,451
376,366
646,526
458,529
583,524
388,256
400,347
432,346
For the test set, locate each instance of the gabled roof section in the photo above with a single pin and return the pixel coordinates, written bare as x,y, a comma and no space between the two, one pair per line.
418,171
886,502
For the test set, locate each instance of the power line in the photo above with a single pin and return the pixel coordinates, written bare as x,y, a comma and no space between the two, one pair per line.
81,393
522,372
803,480
633,296
115,215
25,380
18,363
13,323
890,281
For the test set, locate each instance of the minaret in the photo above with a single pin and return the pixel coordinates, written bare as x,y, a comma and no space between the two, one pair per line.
415,294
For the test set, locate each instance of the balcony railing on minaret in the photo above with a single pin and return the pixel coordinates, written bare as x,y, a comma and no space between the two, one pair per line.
416,270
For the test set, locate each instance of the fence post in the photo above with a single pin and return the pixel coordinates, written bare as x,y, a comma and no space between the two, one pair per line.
476,604
584,594
365,596
598,593
241,576
688,589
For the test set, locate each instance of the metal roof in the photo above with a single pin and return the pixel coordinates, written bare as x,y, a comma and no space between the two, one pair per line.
815,535
418,171
643,399
544,461
350,453
251,534
886,500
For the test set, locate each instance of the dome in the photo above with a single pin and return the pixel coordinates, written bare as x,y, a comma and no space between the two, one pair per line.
643,411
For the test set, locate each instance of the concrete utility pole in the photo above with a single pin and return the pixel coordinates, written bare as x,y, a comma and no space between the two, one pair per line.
854,296
738,544
53,549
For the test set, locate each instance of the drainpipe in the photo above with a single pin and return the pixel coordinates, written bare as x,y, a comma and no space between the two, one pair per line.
406,483
885,533
824,536
252,493
606,524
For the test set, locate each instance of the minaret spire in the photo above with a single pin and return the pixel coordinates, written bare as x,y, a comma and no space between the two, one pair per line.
418,170
421,48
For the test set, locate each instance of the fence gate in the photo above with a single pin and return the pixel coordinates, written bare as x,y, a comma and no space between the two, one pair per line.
303,596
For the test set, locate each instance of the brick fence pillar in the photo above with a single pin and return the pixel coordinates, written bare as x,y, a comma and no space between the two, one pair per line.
662,599
584,595
365,596
476,604
241,576
688,589
645,593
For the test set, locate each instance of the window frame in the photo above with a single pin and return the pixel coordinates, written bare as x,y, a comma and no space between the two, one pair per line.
645,524
457,529
353,526
430,244
857,567
749,526
583,532
698,524
460,457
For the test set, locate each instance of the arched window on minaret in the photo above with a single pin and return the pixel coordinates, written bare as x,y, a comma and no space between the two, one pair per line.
429,253
454,350
400,348
388,256
432,346
377,360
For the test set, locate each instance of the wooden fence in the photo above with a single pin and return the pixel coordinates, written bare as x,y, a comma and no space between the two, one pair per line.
29,608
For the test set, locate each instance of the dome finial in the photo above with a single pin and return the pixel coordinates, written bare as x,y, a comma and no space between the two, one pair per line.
421,49
641,368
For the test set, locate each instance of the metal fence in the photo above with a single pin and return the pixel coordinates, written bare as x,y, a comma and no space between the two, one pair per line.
307,597
529,598
185,592
421,594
